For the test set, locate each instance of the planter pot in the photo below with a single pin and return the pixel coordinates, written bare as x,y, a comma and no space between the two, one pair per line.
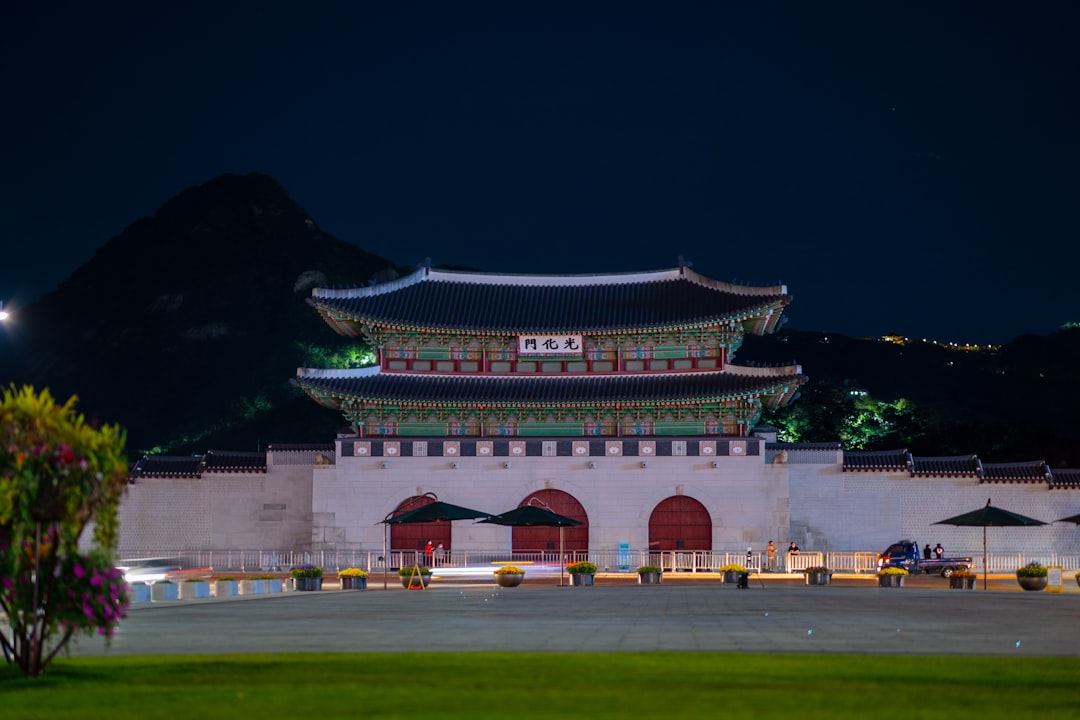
509,580
353,583
307,584
226,588
1032,583
252,587
582,579
818,578
650,578
193,590
891,580
139,593
164,591
730,576
275,585
417,581
962,583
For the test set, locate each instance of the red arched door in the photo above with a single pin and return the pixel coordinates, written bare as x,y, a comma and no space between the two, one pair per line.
413,536
680,523
546,539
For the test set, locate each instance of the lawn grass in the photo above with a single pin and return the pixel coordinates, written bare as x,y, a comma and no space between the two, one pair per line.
534,685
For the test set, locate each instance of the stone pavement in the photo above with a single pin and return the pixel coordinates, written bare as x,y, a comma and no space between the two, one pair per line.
856,617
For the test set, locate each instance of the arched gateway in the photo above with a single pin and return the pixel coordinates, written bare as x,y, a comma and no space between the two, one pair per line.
539,539
680,523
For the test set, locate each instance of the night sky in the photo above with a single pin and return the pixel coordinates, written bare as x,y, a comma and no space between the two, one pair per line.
902,167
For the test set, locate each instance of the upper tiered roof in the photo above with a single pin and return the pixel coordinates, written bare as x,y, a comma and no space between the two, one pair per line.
506,303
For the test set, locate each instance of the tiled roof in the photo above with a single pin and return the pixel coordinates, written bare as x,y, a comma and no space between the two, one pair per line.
218,461
374,385
954,465
1034,471
186,466
301,447
1065,478
819,446
889,460
557,303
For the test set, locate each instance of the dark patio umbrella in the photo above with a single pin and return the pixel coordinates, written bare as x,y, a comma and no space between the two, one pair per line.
990,516
437,511
1074,519
533,516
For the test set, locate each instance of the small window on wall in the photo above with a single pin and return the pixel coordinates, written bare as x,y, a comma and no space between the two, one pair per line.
683,364
445,366
421,365
603,366
471,366
526,367
551,367
500,367
397,365
635,365
577,367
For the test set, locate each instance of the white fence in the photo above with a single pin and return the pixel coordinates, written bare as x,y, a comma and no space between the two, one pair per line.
616,561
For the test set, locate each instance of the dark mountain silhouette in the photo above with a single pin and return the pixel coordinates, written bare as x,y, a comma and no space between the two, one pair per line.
187,327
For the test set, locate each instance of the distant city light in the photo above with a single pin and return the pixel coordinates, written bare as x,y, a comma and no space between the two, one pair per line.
3,312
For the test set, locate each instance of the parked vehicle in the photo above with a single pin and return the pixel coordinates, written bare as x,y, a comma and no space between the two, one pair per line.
905,554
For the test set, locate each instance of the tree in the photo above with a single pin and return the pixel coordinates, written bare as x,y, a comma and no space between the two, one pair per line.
58,476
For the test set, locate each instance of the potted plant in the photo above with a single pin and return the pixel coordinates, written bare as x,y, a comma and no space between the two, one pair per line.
1032,576
353,579
509,576
891,577
226,586
307,577
650,575
273,583
731,572
252,586
415,577
581,572
164,590
194,588
818,575
962,580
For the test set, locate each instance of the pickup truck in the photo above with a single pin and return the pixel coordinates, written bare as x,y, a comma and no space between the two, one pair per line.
905,554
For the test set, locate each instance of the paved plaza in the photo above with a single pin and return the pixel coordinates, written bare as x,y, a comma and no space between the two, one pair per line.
701,616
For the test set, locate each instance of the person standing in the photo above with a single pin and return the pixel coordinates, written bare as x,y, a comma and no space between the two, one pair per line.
939,551
429,552
770,556
926,552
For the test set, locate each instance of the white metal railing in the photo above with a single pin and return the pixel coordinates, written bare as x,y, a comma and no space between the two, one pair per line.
697,561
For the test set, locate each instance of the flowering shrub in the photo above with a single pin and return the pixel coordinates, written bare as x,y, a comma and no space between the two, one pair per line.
58,476
962,574
307,570
582,567
407,571
731,567
1031,570
892,571
353,572
648,569
816,569
509,570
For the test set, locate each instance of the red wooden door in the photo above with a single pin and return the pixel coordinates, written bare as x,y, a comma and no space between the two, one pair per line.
546,539
680,523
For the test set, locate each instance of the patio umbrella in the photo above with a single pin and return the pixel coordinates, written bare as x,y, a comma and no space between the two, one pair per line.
990,516
437,511
1074,519
533,516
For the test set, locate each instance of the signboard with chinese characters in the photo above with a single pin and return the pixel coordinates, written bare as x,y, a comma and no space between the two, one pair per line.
550,345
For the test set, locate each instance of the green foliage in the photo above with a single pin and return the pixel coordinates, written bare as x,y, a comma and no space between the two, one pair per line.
306,571
509,570
648,569
582,567
1034,570
57,474
413,570
348,355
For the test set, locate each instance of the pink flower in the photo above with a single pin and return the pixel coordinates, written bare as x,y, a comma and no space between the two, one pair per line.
79,572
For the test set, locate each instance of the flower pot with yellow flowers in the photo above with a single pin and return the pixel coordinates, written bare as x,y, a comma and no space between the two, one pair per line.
891,577
353,579
509,576
581,573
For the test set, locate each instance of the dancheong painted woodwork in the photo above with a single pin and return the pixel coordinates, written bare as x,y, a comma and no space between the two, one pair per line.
477,354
